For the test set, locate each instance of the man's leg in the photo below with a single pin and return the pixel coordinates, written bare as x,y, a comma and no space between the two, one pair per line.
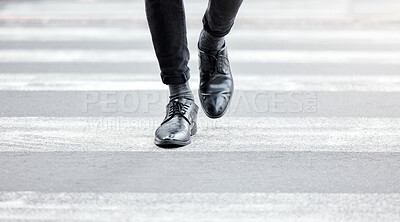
166,19
220,16
216,82
167,25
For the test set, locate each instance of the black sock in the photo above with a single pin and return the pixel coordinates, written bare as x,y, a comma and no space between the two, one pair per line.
209,43
179,91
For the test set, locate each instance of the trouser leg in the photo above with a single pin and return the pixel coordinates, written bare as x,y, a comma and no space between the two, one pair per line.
220,16
166,20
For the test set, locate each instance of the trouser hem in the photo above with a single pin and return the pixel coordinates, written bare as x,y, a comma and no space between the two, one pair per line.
175,79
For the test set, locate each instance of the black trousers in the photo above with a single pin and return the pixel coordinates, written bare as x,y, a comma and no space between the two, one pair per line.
166,19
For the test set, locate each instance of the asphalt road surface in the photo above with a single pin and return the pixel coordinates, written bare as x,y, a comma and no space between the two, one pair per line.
312,134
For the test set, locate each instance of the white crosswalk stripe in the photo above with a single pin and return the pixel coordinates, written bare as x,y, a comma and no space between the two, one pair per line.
139,207
381,37
135,9
255,56
77,145
135,134
149,81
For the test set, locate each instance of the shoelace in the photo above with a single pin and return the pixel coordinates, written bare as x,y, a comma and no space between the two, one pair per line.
211,64
177,108
214,64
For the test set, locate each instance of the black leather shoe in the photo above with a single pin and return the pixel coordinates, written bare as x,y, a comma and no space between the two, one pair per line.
216,82
179,124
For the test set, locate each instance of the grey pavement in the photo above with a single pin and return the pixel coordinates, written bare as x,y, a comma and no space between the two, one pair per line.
312,134
219,172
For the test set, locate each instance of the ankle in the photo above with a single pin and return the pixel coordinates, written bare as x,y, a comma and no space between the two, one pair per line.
180,91
209,43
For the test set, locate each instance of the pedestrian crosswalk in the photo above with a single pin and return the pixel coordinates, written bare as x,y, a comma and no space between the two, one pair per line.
312,134
110,206
141,33
243,56
151,81
134,134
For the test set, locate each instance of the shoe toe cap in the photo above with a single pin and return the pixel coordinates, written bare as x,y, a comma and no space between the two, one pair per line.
216,105
171,133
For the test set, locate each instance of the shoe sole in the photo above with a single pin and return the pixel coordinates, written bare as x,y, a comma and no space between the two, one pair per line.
170,144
